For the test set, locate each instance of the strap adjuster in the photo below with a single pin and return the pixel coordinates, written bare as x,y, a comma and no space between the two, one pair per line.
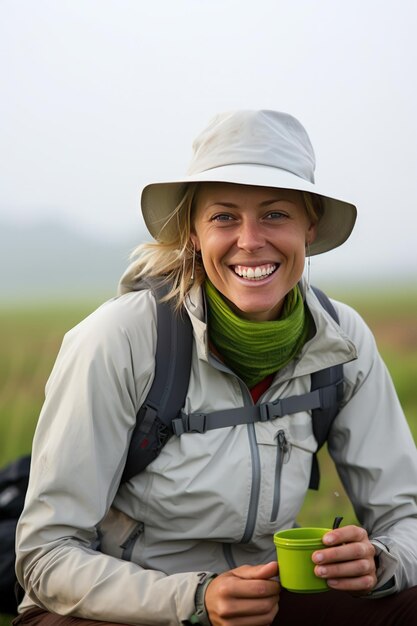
264,412
197,423
194,423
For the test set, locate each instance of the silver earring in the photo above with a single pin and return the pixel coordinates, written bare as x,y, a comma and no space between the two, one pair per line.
193,264
308,263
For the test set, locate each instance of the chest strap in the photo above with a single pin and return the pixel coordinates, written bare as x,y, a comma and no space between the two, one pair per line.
322,398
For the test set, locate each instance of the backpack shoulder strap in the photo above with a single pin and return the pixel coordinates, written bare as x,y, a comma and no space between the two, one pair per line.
326,303
330,382
166,396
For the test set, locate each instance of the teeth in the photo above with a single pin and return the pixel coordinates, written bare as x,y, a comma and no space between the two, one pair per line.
254,273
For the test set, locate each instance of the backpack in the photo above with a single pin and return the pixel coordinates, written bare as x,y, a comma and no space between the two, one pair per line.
14,479
161,416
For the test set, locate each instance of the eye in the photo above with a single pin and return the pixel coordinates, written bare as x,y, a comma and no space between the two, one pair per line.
275,215
222,217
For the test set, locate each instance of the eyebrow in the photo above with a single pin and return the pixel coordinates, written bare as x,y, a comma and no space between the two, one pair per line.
227,205
273,201
232,205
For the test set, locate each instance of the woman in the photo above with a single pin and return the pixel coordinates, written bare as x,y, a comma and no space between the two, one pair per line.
189,539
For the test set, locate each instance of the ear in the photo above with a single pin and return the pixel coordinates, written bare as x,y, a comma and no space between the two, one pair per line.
196,241
311,233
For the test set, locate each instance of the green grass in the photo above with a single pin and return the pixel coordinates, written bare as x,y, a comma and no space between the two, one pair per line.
30,337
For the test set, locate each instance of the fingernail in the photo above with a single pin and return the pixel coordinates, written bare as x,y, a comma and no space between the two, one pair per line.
318,557
322,571
330,538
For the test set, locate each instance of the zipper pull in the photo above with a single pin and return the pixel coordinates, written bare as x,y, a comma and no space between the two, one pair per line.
284,446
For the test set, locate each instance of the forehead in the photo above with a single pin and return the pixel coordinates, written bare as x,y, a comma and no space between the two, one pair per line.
232,192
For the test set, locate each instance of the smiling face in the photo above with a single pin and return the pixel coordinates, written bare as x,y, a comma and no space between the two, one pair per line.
252,242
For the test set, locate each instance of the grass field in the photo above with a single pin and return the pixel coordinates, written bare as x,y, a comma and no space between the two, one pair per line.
30,337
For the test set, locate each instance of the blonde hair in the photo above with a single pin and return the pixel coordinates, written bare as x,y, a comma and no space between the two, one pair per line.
172,259
175,260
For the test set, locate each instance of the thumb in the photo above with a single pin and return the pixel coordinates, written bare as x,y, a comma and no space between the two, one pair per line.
268,570
264,571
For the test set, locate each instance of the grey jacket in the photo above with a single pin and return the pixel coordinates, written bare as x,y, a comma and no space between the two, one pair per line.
211,501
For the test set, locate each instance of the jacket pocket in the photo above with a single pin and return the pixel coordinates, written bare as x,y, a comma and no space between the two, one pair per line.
283,449
118,533
128,545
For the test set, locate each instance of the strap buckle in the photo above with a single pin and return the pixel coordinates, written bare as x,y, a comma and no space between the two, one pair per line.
194,423
269,411
197,423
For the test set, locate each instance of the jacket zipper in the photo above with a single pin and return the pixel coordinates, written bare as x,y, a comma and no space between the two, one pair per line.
256,463
255,489
256,473
283,449
253,498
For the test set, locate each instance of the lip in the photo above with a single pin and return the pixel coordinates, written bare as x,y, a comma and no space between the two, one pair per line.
259,263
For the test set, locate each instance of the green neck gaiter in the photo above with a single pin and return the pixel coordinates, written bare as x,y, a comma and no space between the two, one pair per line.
253,350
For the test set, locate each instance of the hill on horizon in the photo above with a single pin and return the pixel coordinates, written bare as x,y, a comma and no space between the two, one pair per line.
52,260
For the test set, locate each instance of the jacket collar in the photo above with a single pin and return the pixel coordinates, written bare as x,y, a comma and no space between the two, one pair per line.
328,346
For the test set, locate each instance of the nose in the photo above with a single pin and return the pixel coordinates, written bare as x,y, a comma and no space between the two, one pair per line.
250,235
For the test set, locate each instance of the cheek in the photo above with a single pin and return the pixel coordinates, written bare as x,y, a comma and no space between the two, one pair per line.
295,251
212,245
294,242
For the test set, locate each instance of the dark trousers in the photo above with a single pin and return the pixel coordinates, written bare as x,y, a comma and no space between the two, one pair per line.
333,608
337,608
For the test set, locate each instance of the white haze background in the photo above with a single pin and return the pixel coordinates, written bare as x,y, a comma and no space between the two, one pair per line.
99,97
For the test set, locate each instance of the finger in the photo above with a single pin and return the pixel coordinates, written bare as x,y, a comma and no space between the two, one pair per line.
346,552
243,607
231,586
345,534
349,569
243,613
251,620
264,571
225,606
361,584
255,620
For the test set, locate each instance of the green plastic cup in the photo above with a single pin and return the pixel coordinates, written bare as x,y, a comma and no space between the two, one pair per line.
296,569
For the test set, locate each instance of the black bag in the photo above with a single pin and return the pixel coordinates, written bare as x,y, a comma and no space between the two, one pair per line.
13,484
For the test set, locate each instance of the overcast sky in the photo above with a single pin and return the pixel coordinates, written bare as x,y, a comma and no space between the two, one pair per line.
99,97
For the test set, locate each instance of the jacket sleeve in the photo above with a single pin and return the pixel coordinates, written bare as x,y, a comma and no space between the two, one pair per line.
78,456
376,458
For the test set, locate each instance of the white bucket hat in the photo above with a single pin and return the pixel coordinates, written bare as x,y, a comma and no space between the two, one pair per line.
262,148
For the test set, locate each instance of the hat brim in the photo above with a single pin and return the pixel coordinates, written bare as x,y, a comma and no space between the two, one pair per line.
159,200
